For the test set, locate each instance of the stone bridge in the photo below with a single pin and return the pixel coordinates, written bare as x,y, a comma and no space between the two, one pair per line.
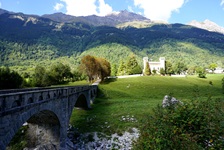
46,110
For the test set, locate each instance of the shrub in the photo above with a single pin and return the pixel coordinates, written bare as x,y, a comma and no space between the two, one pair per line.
192,125
202,75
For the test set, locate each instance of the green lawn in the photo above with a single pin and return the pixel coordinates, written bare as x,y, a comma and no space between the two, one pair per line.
135,97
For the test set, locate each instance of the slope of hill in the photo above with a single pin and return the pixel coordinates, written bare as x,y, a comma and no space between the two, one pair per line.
26,40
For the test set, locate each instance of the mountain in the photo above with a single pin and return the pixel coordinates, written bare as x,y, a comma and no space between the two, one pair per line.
207,25
109,20
28,40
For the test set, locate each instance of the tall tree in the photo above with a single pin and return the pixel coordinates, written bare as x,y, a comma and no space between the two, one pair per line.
180,68
113,70
168,68
89,66
131,64
121,69
39,74
104,68
147,71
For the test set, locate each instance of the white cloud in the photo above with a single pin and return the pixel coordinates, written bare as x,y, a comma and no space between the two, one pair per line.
222,2
87,7
58,6
159,9
104,8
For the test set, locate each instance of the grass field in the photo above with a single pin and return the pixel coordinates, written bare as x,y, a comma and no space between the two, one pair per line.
135,97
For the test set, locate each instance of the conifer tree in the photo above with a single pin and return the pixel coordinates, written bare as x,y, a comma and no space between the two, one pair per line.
121,68
147,71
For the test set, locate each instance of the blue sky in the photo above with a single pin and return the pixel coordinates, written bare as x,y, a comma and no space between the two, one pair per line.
172,11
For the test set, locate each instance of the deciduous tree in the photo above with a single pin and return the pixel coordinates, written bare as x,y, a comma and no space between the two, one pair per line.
104,68
89,66
213,66
168,68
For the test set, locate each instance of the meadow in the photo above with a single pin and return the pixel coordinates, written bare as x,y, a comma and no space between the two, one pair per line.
134,98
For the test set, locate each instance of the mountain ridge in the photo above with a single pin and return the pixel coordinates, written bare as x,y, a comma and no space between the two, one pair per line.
119,19
26,40
207,25
108,20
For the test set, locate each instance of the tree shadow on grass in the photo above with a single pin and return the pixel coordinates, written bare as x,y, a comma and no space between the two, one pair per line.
109,80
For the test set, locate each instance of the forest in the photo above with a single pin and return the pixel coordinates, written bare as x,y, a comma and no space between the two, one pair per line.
45,42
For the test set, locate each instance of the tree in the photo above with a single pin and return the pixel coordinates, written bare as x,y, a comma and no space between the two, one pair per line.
104,68
191,70
168,68
131,64
147,71
121,69
201,72
113,70
180,68
162,71
9,79
39,74
59,73
212,67
136,70
77,76
89,66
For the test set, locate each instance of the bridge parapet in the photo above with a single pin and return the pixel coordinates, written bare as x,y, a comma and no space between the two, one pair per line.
18,99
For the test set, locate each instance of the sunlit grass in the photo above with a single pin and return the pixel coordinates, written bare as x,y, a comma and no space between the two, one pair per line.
135,97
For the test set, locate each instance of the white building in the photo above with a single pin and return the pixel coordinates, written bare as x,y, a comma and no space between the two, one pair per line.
154,65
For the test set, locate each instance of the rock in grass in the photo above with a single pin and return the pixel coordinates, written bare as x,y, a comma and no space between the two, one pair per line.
168,101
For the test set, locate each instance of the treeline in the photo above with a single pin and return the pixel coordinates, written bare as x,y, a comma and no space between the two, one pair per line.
90,68
128,67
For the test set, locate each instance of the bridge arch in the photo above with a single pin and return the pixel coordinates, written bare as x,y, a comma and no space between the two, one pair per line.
36,106
81,102
44,127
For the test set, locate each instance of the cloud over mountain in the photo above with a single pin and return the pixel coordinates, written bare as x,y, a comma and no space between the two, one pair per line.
159,9
87,7
58,6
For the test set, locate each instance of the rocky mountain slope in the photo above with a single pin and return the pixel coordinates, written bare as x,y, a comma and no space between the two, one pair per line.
207,25
109,20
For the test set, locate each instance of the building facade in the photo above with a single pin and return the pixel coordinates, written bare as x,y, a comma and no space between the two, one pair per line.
154,65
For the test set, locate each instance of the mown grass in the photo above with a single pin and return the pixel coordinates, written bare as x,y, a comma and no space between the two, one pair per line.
135,97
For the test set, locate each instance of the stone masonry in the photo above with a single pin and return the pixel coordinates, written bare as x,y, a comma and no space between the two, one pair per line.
47,110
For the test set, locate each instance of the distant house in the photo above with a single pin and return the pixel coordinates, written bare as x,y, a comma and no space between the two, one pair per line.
216,71
219,70
154,65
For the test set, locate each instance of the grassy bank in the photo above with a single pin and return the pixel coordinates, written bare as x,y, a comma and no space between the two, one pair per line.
124,103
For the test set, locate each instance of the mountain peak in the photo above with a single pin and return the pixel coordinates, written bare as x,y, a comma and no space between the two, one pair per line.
207,25
126,16
112,19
